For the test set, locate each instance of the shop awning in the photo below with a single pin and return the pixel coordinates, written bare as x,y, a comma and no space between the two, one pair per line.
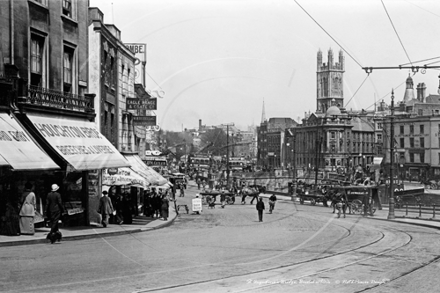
78,142
147,172
123,176
18,149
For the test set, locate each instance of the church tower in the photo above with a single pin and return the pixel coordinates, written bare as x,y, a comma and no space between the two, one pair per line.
329,82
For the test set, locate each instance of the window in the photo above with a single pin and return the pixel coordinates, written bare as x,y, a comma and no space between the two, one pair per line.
422,129
402,129
67,8
420,112
411,142
402,142
67,69
333,134
439,158
37,60
422,142
422,157
411,157
379,126
411,129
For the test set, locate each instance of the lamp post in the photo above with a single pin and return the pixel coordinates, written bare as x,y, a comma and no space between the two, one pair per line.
391,215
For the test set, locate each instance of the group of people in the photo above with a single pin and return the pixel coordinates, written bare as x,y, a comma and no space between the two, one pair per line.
156,204
19,217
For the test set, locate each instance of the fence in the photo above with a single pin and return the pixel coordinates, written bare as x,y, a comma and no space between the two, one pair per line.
418,211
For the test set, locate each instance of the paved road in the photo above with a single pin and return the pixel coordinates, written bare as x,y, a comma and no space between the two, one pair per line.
298,248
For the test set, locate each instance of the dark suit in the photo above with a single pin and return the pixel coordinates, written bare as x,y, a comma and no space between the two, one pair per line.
105,209
54,209
260,208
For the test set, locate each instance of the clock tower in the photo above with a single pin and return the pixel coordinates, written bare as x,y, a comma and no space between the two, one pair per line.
329,82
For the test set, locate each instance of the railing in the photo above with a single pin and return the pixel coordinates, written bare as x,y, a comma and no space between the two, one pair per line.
420,211
55,99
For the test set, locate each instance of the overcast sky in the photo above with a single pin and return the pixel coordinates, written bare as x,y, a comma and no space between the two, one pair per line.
218,60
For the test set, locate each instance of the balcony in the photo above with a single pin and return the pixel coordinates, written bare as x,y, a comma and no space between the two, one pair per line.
38,96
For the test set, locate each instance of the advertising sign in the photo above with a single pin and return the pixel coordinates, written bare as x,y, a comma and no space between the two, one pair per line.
197,205
144,120
140,52
141,104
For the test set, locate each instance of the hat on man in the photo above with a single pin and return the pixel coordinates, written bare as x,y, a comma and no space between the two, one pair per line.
105,192
55,187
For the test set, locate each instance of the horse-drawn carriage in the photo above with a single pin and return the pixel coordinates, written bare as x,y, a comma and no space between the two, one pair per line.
358,199
210,196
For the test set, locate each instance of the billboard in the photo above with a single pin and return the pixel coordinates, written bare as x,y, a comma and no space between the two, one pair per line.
144,120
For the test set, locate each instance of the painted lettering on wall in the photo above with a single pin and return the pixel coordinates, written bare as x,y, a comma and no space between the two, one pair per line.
84,150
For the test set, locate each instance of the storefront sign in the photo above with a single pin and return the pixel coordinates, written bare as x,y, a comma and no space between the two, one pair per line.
141,104
140,53
144,120
112,171
78,142
18,150
124,176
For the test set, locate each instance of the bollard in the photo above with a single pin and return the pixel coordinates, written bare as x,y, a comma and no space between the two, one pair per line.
406,206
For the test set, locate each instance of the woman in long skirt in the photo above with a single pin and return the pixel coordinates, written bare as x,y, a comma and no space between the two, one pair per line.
27,211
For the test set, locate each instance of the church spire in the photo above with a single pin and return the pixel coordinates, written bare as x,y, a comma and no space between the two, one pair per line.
263,114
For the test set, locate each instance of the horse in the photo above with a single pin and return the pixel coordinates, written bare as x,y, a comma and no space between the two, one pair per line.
339,202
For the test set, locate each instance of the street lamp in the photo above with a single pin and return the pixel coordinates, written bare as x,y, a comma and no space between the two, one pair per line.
391,215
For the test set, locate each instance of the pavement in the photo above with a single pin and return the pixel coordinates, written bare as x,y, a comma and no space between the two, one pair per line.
144,224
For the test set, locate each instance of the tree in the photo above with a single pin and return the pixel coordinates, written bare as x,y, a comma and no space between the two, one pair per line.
218,139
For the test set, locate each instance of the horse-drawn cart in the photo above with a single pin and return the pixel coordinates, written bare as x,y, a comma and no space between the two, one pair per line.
314,196
360,199
210,196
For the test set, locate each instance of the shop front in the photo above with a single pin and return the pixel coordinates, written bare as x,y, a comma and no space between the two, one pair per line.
20,160
82,152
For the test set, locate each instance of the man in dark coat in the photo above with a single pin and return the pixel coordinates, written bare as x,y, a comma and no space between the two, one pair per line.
164,208
105,208
260,209
272,200
54,210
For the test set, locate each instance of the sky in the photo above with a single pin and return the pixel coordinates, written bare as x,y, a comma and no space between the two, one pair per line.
219,60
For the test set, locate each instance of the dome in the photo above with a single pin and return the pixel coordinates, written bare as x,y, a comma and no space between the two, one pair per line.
332,111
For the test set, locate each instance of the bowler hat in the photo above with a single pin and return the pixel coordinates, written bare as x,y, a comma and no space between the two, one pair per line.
105,192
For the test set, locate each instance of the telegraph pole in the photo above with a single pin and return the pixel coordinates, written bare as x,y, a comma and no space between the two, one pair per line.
391,204
227,156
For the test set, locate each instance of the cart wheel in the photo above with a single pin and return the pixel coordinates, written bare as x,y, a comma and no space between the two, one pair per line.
356,206
313,202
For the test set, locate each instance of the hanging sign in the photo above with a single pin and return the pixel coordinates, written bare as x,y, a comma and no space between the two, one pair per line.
144,120
141,104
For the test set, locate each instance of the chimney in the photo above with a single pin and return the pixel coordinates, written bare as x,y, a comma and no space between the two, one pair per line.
200,124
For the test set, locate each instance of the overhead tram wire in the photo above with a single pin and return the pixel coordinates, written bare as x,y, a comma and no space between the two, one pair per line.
154,80
385,95
329,35
423,61
383,4
357,90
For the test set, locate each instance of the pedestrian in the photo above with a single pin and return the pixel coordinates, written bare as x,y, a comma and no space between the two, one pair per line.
147,204
9,224
198,183
164,208
244,193
255,194
272,200
27,210
182,191
127,209
54,211
105,208
260,209
223,198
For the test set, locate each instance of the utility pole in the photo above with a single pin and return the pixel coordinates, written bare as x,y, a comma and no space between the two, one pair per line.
227,156
391,204
294,165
